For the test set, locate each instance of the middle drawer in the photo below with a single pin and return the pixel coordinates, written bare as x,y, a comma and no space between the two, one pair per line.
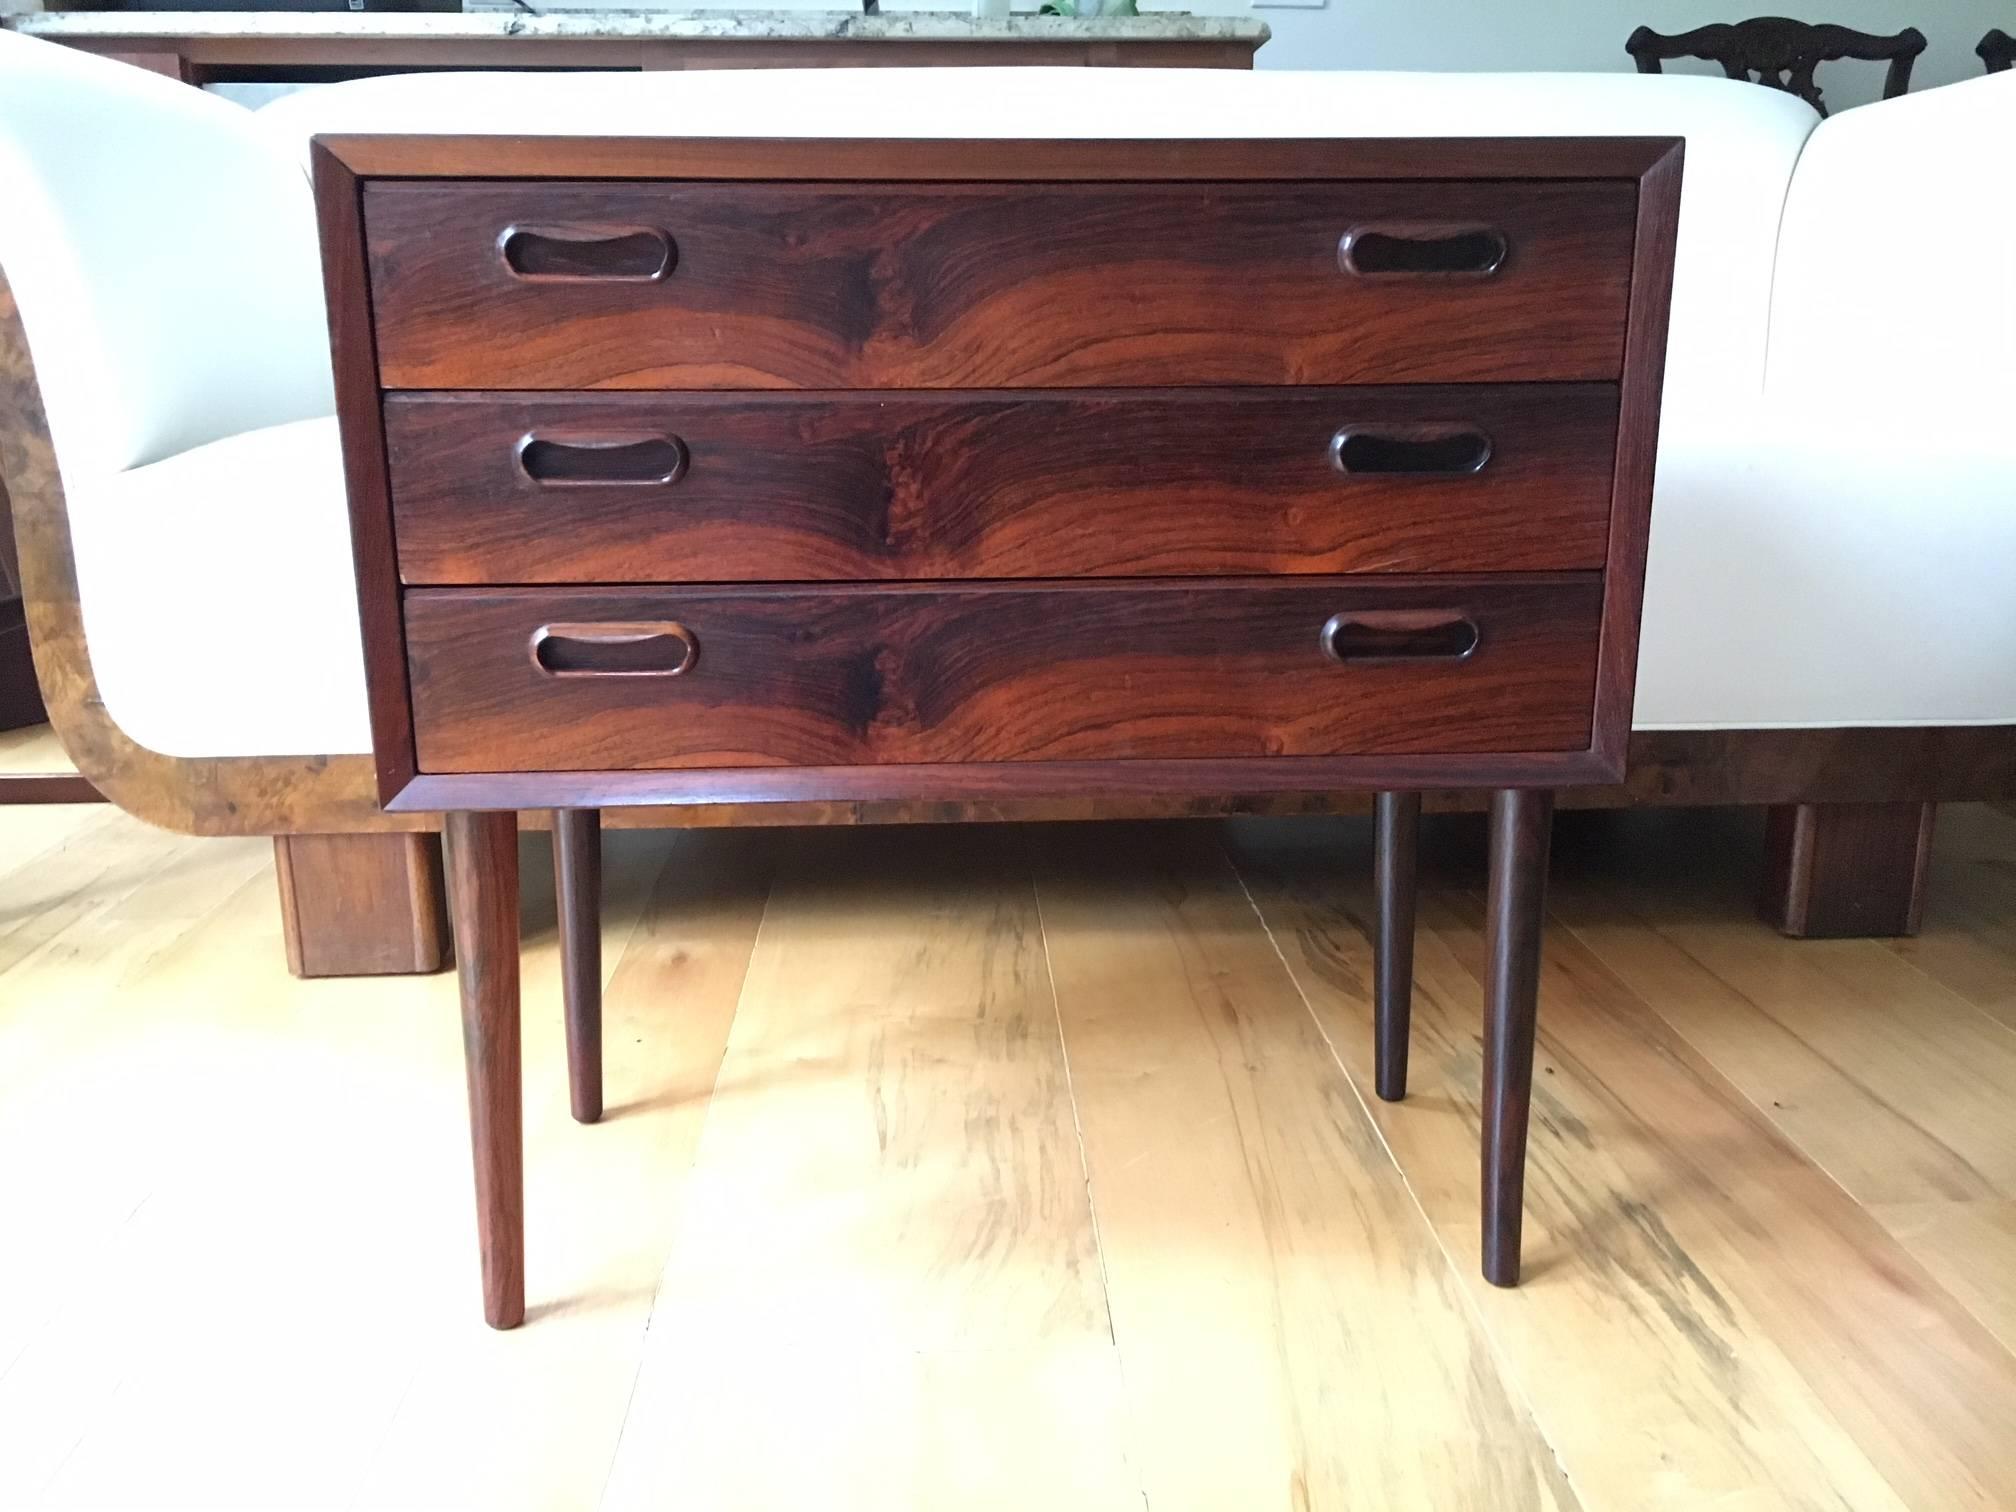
683,488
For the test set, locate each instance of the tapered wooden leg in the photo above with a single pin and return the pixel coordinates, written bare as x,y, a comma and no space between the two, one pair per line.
1397,839
1521,826
577,866
483,899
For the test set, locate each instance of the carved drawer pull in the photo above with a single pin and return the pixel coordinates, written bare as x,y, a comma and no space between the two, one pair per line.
1422,251
554,461
1388,635
1414,450
651,648
625,254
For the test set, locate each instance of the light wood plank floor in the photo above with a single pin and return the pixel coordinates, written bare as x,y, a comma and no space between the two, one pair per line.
1016,1168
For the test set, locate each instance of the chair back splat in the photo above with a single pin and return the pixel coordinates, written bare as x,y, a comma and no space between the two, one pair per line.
1781,53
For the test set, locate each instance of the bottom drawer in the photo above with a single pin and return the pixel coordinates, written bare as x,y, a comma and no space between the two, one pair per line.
598,679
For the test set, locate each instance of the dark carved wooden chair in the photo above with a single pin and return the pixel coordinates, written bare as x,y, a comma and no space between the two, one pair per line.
1781,53
1997,51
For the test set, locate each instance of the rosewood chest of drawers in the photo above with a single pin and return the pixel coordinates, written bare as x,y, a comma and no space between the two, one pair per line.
690,472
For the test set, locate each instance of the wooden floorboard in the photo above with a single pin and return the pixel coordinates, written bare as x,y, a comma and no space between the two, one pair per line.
1689,1270
1016,1168
1290,1331
1969,940
1900,1364
602,1203
271,1296
886,1289
1882,1061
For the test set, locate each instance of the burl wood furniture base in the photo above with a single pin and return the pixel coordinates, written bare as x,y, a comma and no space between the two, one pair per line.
763,472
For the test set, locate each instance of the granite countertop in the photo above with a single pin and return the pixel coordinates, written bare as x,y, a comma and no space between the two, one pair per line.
912,26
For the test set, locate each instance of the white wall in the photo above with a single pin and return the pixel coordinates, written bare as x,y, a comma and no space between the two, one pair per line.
1583,35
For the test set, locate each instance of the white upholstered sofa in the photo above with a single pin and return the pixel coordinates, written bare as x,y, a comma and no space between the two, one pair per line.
1834,531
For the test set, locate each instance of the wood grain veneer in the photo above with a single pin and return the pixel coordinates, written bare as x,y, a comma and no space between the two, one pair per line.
1047,484
810,677
1637,455
354,352
1619,192
1000,160
891,285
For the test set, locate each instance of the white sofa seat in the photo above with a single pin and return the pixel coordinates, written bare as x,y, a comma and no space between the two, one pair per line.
220,606
1813,569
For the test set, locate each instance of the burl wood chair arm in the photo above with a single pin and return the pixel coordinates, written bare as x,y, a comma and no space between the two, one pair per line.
201,796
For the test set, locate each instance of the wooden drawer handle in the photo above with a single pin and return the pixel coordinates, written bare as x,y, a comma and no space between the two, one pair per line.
652,648
1360,451
601,461
625,254
1422,251
1389,635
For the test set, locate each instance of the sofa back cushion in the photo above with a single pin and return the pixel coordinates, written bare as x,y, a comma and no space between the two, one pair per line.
1896,286
163,258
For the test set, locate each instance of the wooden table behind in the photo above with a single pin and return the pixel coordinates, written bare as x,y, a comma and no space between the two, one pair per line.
220,47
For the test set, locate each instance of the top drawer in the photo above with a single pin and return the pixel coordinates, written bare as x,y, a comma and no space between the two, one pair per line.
546,285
